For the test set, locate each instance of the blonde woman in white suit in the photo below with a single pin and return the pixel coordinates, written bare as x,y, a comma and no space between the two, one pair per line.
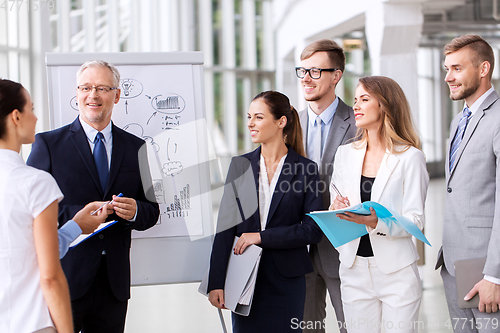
379,278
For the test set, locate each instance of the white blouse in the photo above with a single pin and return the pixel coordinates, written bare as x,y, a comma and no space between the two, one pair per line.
25,192
266,189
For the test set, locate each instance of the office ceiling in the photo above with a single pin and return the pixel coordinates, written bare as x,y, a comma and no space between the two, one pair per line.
449,18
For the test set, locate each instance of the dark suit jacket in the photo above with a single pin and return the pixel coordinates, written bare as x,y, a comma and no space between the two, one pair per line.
288,229
342,129
65,153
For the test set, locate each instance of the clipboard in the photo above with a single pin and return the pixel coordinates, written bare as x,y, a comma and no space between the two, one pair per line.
240,269
468,272
84,237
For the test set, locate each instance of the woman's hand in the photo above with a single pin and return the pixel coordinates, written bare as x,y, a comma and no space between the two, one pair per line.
246,239
216,297
368,220
339,203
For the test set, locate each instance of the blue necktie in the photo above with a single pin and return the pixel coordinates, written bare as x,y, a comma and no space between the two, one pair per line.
462,125
318,141
101,159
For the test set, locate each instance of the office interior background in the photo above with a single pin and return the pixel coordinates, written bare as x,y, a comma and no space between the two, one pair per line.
250,46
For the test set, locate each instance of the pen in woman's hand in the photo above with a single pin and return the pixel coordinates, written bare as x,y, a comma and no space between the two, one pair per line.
332,185
345,201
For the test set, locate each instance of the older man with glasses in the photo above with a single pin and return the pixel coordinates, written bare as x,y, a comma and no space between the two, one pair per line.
327,123
92,159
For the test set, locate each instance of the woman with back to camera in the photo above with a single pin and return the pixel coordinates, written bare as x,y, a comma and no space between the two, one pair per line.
34,294
379,278
267,194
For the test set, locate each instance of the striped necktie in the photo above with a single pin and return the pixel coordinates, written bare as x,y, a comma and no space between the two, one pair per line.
462,125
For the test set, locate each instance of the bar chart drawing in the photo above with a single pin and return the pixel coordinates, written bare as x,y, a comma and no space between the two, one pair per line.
181,204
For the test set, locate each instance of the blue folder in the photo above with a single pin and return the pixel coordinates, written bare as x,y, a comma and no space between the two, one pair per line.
340,232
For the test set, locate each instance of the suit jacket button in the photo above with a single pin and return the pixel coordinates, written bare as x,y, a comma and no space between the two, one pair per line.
449,189
378,233
101,236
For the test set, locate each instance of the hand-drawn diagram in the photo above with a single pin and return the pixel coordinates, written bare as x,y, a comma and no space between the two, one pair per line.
74,103
172,167
130,88
162,113
181,204
168,104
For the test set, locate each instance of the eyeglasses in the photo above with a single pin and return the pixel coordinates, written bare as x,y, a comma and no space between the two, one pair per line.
98,89
314,73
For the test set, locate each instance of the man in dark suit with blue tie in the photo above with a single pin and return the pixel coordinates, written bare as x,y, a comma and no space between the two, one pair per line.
92,159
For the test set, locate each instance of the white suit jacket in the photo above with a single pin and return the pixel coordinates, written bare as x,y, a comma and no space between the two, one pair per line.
401,185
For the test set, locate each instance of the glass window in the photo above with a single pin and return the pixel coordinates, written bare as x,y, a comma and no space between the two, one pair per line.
238,22
217,31
259,26
218,100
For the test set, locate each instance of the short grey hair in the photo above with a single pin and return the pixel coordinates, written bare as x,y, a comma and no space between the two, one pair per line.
100,63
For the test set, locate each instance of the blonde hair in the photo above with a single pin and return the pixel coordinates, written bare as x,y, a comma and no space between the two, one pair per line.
397,125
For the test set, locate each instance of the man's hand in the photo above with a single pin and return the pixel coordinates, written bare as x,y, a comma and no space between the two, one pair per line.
88,223
124,207
489,295
216,297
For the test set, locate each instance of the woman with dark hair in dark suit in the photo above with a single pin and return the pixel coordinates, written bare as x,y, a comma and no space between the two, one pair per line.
267,194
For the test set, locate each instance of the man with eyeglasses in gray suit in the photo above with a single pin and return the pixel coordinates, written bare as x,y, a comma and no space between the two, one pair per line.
327,123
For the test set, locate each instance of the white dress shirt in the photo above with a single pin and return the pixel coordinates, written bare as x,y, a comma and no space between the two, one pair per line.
266,189
327,118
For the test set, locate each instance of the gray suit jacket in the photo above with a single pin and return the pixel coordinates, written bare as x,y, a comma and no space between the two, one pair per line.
342,129
471,215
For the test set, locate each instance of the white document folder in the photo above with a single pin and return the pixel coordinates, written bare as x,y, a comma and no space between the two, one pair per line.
239,274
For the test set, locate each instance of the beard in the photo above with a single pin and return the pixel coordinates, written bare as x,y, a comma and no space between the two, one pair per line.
467,89
313,98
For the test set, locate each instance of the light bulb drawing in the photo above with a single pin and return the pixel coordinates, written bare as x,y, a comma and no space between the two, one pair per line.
126,85
130,88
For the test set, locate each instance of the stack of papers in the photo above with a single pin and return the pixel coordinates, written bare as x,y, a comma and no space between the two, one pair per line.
240,279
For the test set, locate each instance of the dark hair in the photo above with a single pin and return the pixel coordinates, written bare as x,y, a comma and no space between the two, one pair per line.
397,126
279,106
480,50
11,98
334,51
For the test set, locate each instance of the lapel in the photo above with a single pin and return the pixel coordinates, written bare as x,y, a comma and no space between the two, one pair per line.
284,182
337,132
254,158
471,127
79,138
119,143
354,174
389,163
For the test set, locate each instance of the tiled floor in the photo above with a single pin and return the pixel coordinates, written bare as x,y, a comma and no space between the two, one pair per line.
181,309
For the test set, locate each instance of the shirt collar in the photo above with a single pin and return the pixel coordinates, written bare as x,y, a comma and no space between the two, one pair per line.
11,155
475,106
326,116
91,132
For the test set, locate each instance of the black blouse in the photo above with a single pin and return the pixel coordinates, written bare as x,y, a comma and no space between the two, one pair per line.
365,247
